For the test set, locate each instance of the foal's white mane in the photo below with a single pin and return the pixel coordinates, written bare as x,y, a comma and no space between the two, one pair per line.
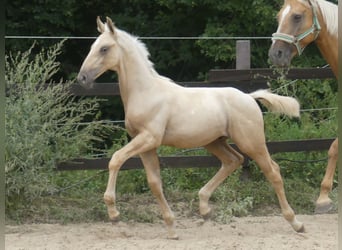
329,12
130,43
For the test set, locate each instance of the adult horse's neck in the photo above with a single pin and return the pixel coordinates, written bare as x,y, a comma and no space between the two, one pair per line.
328,46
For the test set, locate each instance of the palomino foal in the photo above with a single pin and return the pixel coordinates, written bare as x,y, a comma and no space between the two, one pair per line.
160,112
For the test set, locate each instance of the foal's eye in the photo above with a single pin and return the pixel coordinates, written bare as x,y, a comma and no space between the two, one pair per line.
297,18
104,49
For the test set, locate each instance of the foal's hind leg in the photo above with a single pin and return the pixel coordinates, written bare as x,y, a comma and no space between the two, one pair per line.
324,203
272,172
230,159
152,168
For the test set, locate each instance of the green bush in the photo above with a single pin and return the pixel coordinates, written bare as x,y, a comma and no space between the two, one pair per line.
44,124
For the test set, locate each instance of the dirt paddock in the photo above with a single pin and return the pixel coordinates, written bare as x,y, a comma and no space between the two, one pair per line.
242,233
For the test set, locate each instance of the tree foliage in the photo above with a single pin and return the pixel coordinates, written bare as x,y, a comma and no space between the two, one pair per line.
182,60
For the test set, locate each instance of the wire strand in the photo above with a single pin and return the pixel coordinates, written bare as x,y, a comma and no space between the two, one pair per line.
147,37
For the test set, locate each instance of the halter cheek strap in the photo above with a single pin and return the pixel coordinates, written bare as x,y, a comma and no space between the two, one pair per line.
295,40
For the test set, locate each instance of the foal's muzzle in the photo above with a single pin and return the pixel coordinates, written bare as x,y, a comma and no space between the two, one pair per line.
85,80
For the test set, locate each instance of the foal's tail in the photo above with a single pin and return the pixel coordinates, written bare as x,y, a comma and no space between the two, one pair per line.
276,103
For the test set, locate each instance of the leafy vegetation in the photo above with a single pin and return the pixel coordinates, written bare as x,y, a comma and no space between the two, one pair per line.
44,124
181,60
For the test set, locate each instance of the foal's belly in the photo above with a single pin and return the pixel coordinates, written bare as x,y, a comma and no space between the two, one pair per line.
197,121
195,135
187,142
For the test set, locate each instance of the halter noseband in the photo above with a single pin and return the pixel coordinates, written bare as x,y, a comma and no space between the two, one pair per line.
315,28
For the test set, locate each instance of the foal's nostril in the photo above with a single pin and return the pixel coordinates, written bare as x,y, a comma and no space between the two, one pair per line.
82,78
279,54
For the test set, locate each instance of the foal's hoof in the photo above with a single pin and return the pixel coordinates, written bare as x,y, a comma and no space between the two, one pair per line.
171,233
207,215
301,229
113,213
298,226
173,237
115,220
323,208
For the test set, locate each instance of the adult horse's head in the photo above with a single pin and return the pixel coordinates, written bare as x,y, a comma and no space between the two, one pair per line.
102,56
298,25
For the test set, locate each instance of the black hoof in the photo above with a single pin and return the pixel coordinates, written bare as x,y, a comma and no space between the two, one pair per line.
301,230
115,220
323,208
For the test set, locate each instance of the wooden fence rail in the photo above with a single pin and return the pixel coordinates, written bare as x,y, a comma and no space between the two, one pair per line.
246,80
196,161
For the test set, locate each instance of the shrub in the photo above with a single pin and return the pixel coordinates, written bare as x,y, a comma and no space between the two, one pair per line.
45,124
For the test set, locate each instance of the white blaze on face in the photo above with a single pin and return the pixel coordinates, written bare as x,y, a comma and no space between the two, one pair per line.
285,12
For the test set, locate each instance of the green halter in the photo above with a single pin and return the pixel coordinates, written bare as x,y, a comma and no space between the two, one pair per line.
315,29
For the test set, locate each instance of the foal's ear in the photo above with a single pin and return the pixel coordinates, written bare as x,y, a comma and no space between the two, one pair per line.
110,25
100,25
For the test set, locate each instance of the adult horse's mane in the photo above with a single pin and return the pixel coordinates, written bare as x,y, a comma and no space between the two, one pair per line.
329,13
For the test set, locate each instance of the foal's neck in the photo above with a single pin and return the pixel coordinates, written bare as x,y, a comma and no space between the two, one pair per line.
134,76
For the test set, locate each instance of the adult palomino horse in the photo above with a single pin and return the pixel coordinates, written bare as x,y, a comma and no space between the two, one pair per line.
160,112
300,23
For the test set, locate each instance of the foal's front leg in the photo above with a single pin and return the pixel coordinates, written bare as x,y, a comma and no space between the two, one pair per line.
152,168
141,143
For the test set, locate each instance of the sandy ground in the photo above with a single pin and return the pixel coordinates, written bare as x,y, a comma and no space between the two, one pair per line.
245,233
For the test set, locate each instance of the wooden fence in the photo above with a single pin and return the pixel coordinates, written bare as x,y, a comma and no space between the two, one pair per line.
196,161
246,80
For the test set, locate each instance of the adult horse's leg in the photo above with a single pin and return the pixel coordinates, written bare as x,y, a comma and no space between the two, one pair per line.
152,168
272,172
141,143
324,203
230,159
